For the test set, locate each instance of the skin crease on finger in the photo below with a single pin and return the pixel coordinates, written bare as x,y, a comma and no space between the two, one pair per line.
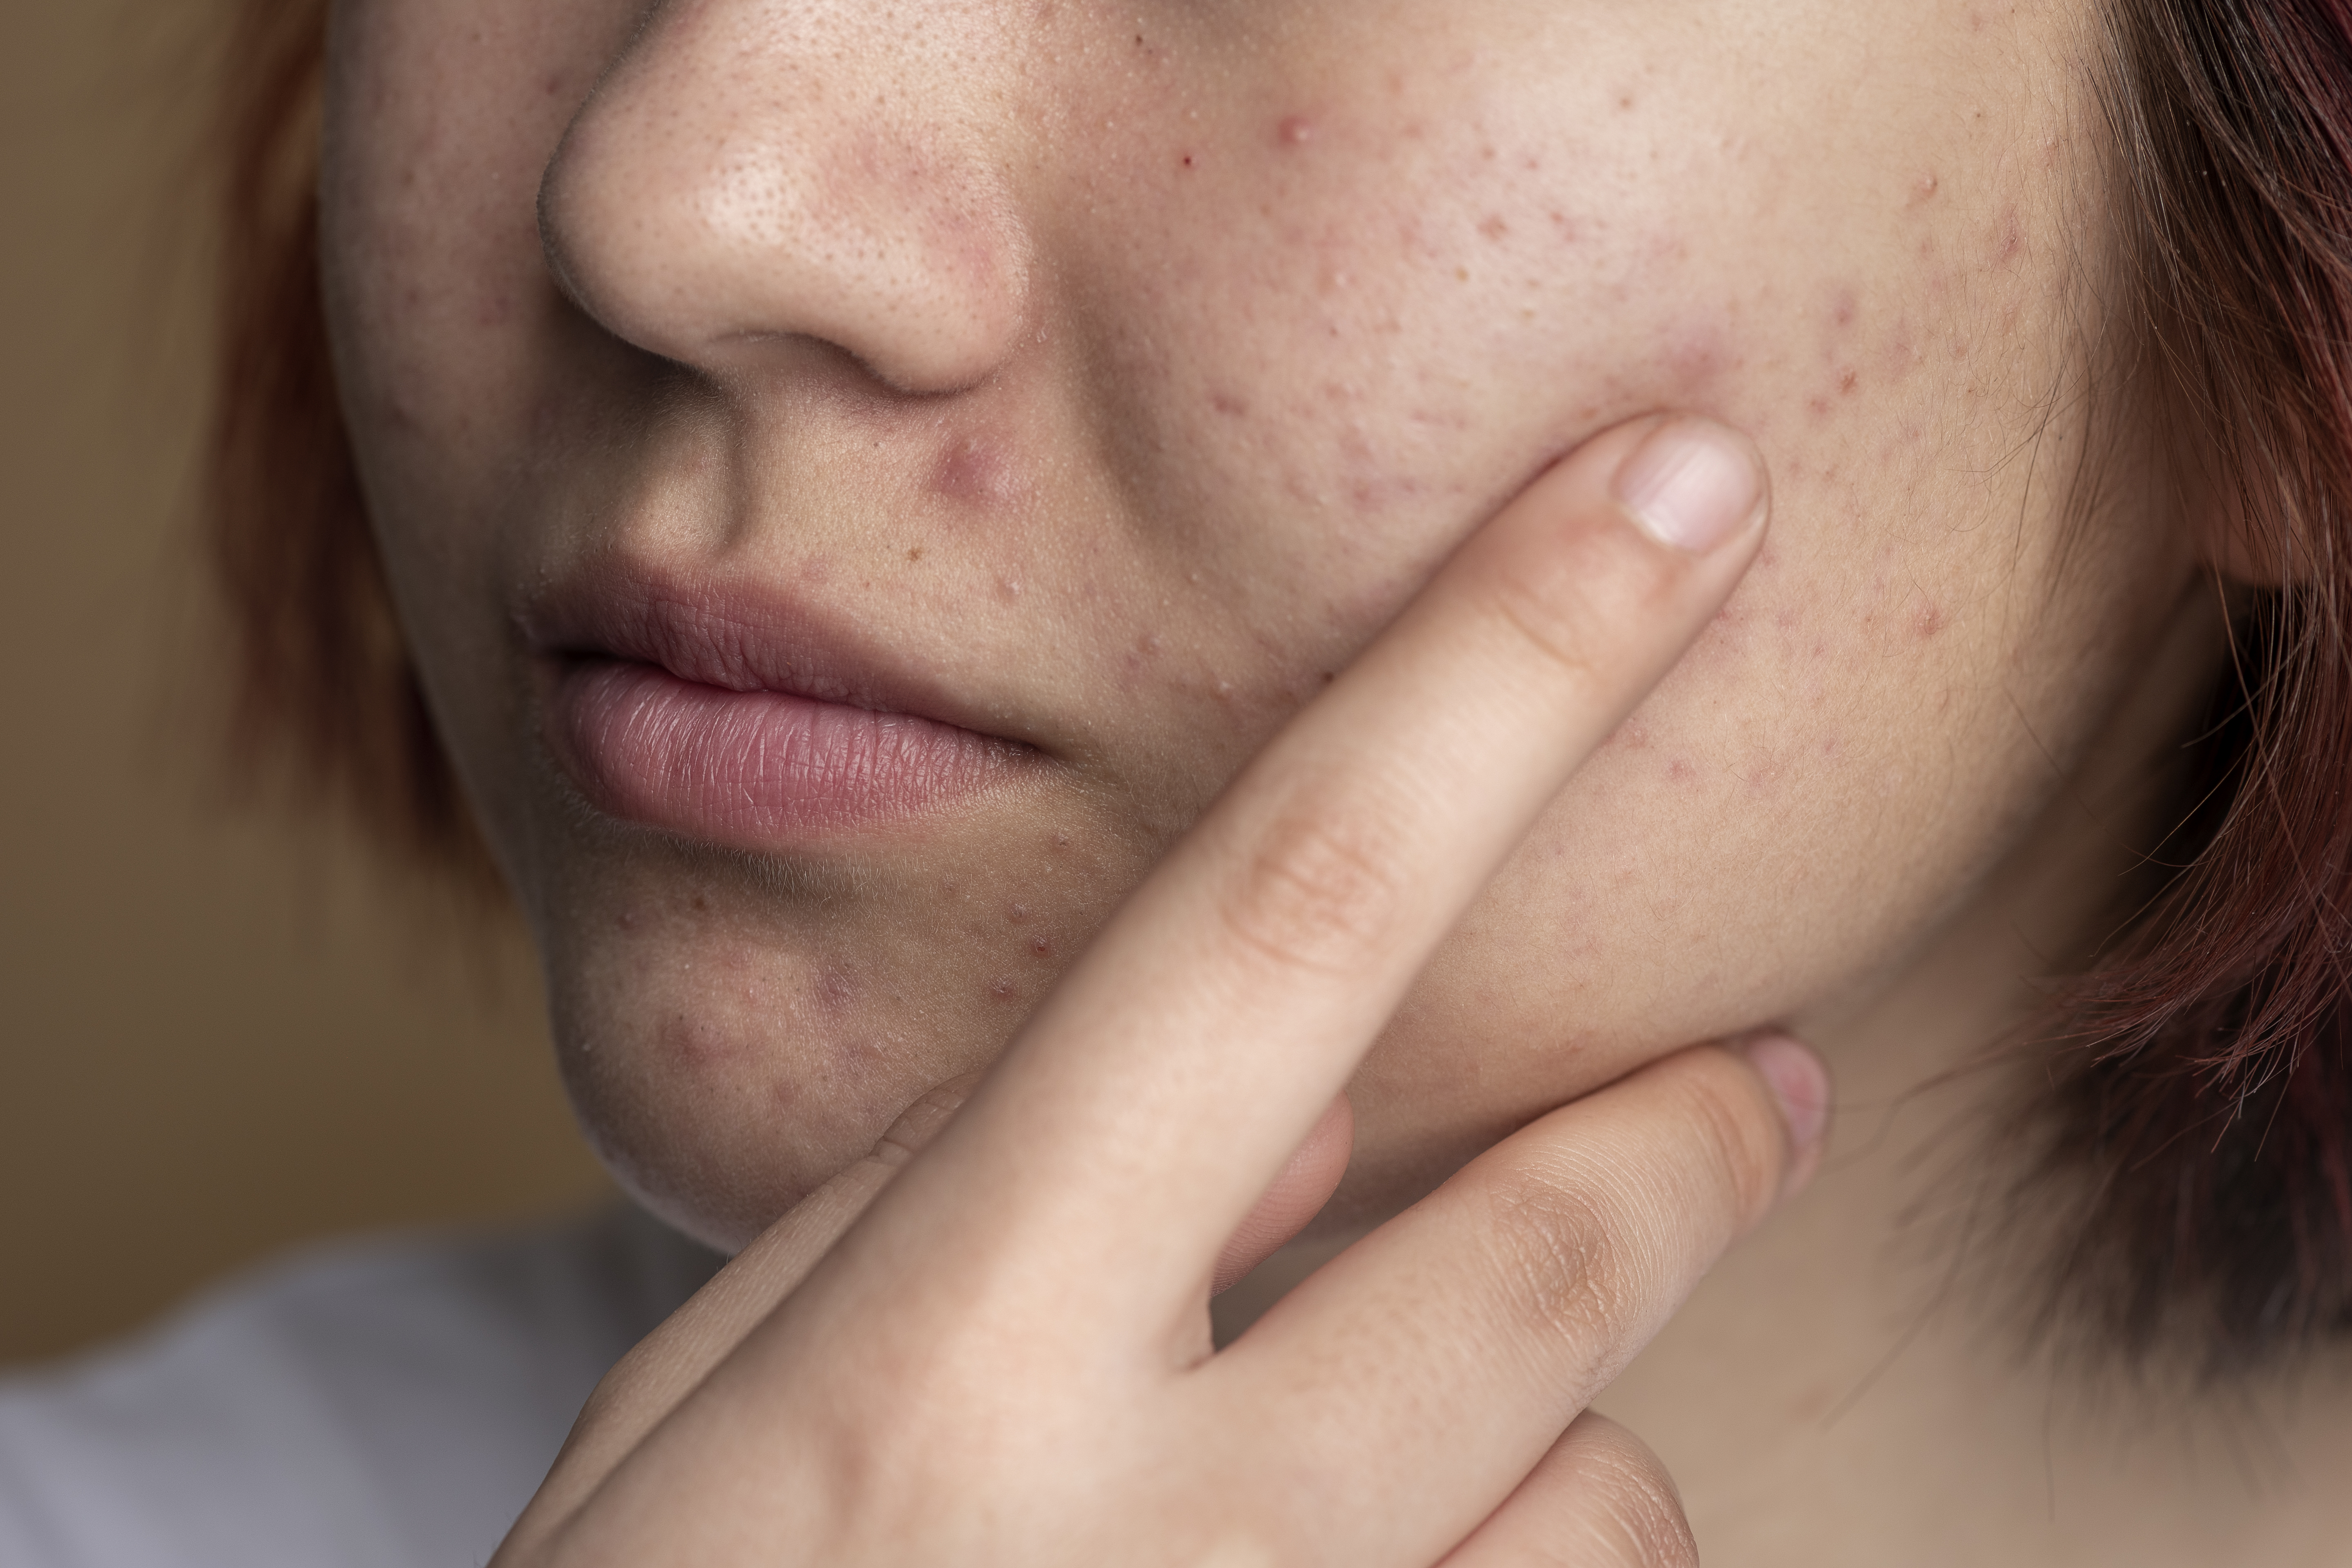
1120,373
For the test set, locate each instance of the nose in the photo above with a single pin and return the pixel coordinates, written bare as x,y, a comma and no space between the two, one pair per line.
755,176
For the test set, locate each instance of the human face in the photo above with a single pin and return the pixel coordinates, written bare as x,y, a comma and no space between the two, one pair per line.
1092,382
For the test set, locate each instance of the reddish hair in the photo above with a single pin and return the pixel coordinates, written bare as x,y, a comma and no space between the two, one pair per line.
2189,1165
2194,1145
324,684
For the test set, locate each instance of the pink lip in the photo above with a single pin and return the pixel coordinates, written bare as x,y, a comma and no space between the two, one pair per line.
724,716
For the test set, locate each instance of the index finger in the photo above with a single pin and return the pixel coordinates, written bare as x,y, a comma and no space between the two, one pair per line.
1140,1113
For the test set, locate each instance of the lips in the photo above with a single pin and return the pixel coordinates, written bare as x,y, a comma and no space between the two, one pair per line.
737,717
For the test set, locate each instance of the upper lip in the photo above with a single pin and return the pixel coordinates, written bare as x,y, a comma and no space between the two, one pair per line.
736,634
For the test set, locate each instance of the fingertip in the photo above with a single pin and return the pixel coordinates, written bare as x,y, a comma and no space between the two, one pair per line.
1800,1082
1693,483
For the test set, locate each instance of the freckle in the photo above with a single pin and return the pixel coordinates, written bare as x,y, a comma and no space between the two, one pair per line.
1624,102
701,902
916,554
1295,131
1494,228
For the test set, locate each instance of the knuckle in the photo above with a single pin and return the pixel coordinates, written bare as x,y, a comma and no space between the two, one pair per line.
1633,1514
1560,621
1555,1243
1317,893
1574,612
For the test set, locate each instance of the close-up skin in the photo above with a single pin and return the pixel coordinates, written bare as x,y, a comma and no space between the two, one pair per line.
1101,383
1370,782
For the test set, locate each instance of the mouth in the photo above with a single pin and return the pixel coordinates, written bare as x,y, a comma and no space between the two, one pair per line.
731,714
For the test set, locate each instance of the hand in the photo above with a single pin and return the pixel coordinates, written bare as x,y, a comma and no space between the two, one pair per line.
987,1344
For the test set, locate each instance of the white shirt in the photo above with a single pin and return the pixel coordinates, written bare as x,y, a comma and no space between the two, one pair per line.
387,1404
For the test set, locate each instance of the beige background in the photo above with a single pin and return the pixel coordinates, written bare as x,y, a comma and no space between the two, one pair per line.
220,1033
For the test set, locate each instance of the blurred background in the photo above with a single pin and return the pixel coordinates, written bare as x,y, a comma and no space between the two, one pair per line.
223,1030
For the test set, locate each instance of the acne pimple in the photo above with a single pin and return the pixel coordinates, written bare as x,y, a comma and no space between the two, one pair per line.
1295,130
974,470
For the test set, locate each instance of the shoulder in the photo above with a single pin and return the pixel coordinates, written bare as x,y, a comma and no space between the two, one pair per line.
391,1401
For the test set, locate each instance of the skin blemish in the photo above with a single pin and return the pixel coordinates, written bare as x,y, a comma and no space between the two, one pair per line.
975,470
2010,237
915,554
1846,381
1928,623
1680,771
1017,914
1042,946
1494,228
1187,160
1232,404
1003,989
694,1042
1924,188
1294,131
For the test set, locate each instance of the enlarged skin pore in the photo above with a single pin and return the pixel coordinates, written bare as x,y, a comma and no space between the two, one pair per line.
1114,375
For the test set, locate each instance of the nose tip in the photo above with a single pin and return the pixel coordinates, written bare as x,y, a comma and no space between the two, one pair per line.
729,189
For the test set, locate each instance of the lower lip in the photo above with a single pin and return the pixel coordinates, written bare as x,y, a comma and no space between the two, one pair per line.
754,768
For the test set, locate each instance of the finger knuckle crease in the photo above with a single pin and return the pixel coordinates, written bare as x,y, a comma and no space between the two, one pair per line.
1316,895
1558,1250
1561,624
1636,1517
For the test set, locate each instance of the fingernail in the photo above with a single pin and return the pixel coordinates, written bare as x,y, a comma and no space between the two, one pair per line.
1798,1080
1691,483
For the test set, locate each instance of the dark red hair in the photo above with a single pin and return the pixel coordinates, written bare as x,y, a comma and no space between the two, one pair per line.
2191,1150
2190,1171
